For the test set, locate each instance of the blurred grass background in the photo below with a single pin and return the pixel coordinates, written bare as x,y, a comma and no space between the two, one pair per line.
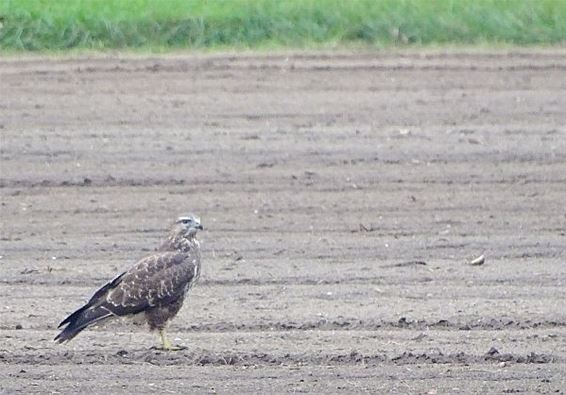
39,25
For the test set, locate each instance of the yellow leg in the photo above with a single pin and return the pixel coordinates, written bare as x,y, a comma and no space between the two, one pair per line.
167,344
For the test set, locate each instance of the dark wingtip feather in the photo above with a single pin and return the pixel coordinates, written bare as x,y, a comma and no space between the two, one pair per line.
65,321
73,316
67,335
62,337
78,321
75,326
59,338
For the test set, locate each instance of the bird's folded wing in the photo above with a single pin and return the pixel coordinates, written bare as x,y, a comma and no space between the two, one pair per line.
156,279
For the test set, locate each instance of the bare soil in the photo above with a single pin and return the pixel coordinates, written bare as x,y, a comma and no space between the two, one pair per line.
343,197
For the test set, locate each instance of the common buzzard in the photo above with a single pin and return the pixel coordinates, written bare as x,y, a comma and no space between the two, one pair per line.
155,287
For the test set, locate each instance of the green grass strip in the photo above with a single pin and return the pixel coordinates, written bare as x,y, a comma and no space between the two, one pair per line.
37,25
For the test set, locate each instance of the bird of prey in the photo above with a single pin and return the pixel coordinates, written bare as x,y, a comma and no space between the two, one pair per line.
154,288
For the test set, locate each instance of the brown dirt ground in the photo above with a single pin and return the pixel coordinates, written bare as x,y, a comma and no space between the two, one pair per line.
320,178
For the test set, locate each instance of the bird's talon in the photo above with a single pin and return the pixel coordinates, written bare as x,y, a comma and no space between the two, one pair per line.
170,348
177,348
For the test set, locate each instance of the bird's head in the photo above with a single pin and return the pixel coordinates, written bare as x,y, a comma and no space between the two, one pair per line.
187,225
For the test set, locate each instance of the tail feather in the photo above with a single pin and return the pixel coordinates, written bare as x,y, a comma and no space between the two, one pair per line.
79,320
89,314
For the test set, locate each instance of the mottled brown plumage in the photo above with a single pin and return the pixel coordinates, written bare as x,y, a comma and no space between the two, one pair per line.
155,286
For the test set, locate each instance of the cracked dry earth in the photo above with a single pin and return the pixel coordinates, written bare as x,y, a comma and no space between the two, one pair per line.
343,197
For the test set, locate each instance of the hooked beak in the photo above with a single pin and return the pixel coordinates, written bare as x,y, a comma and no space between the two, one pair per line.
199,226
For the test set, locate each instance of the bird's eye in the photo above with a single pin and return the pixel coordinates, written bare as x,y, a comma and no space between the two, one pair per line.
186,221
